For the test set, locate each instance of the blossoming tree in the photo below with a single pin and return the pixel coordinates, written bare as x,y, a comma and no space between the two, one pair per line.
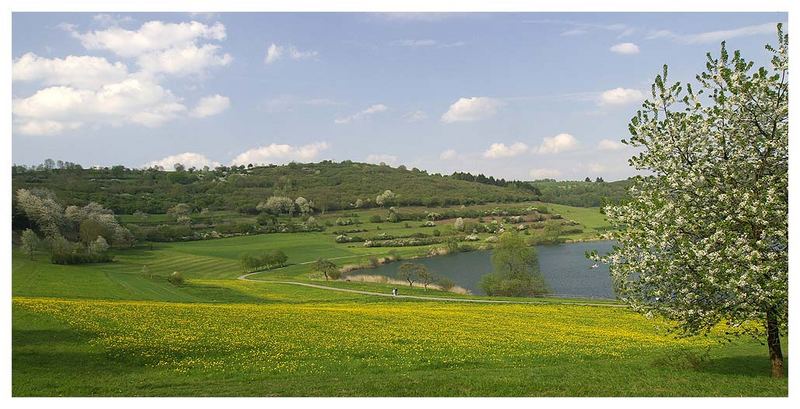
704,238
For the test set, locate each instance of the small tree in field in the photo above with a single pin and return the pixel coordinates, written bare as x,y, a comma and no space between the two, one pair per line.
30,242
515,269
412,272
327,268
704,239
425,276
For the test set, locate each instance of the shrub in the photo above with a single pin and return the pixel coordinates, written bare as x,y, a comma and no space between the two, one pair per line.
445,283
176,278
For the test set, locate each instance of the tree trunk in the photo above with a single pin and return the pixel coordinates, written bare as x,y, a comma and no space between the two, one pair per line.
774,343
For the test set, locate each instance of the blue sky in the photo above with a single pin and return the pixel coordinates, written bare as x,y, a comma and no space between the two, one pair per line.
513,95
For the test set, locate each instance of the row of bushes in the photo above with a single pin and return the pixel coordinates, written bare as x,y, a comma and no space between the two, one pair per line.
262,261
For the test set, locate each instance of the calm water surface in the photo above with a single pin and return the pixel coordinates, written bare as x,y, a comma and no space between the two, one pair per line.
564,266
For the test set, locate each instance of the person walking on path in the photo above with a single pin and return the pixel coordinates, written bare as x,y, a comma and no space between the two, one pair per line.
394,292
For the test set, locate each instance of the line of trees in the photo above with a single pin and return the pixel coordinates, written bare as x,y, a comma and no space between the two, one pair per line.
481,178
72,235
263,261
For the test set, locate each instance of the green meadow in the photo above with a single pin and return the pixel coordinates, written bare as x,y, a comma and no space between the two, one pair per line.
108,329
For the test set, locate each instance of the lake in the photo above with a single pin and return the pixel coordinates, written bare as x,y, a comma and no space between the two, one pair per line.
564,266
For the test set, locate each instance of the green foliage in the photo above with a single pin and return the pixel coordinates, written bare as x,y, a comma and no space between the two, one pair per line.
582,193
176,278
704,239
515,269
328,268
30,242
263,260
412,272
329,185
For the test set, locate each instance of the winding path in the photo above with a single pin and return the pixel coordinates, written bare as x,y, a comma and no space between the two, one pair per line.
245,277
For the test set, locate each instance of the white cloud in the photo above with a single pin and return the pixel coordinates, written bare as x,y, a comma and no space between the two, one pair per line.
151,36
187,159
415,43
625,48
417,16
280,153
716,36
130,101
379,158
374,109
426,43
471,109
609,145
75,71
556,144
500,150
210,106
620,96
108,20
46,127
573,32
287,103
276,52
188,59
544,173
595,167
416,116
449,154
88,90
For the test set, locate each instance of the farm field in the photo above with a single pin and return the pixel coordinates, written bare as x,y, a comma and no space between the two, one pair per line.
107,329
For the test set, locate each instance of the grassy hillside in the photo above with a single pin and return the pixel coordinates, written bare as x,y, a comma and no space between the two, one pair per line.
106,329
581,193
329,185
122,334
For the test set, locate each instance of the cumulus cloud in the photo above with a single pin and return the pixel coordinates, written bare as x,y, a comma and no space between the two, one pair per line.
620,96
595,167
151,36
500,150
130,101
81,90
280,153
625,48
373,109
108,20
556,144
187,159
162,48
75,71
609,145
276,52
449,154
471,109
379,158
210,106
188,59
544,173
415,116
716,36
46,127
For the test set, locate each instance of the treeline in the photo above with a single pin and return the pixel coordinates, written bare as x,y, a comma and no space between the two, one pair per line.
330,185
481,178
263,261
582,193
72,234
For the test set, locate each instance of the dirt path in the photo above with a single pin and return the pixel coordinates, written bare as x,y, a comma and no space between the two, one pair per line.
245,277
